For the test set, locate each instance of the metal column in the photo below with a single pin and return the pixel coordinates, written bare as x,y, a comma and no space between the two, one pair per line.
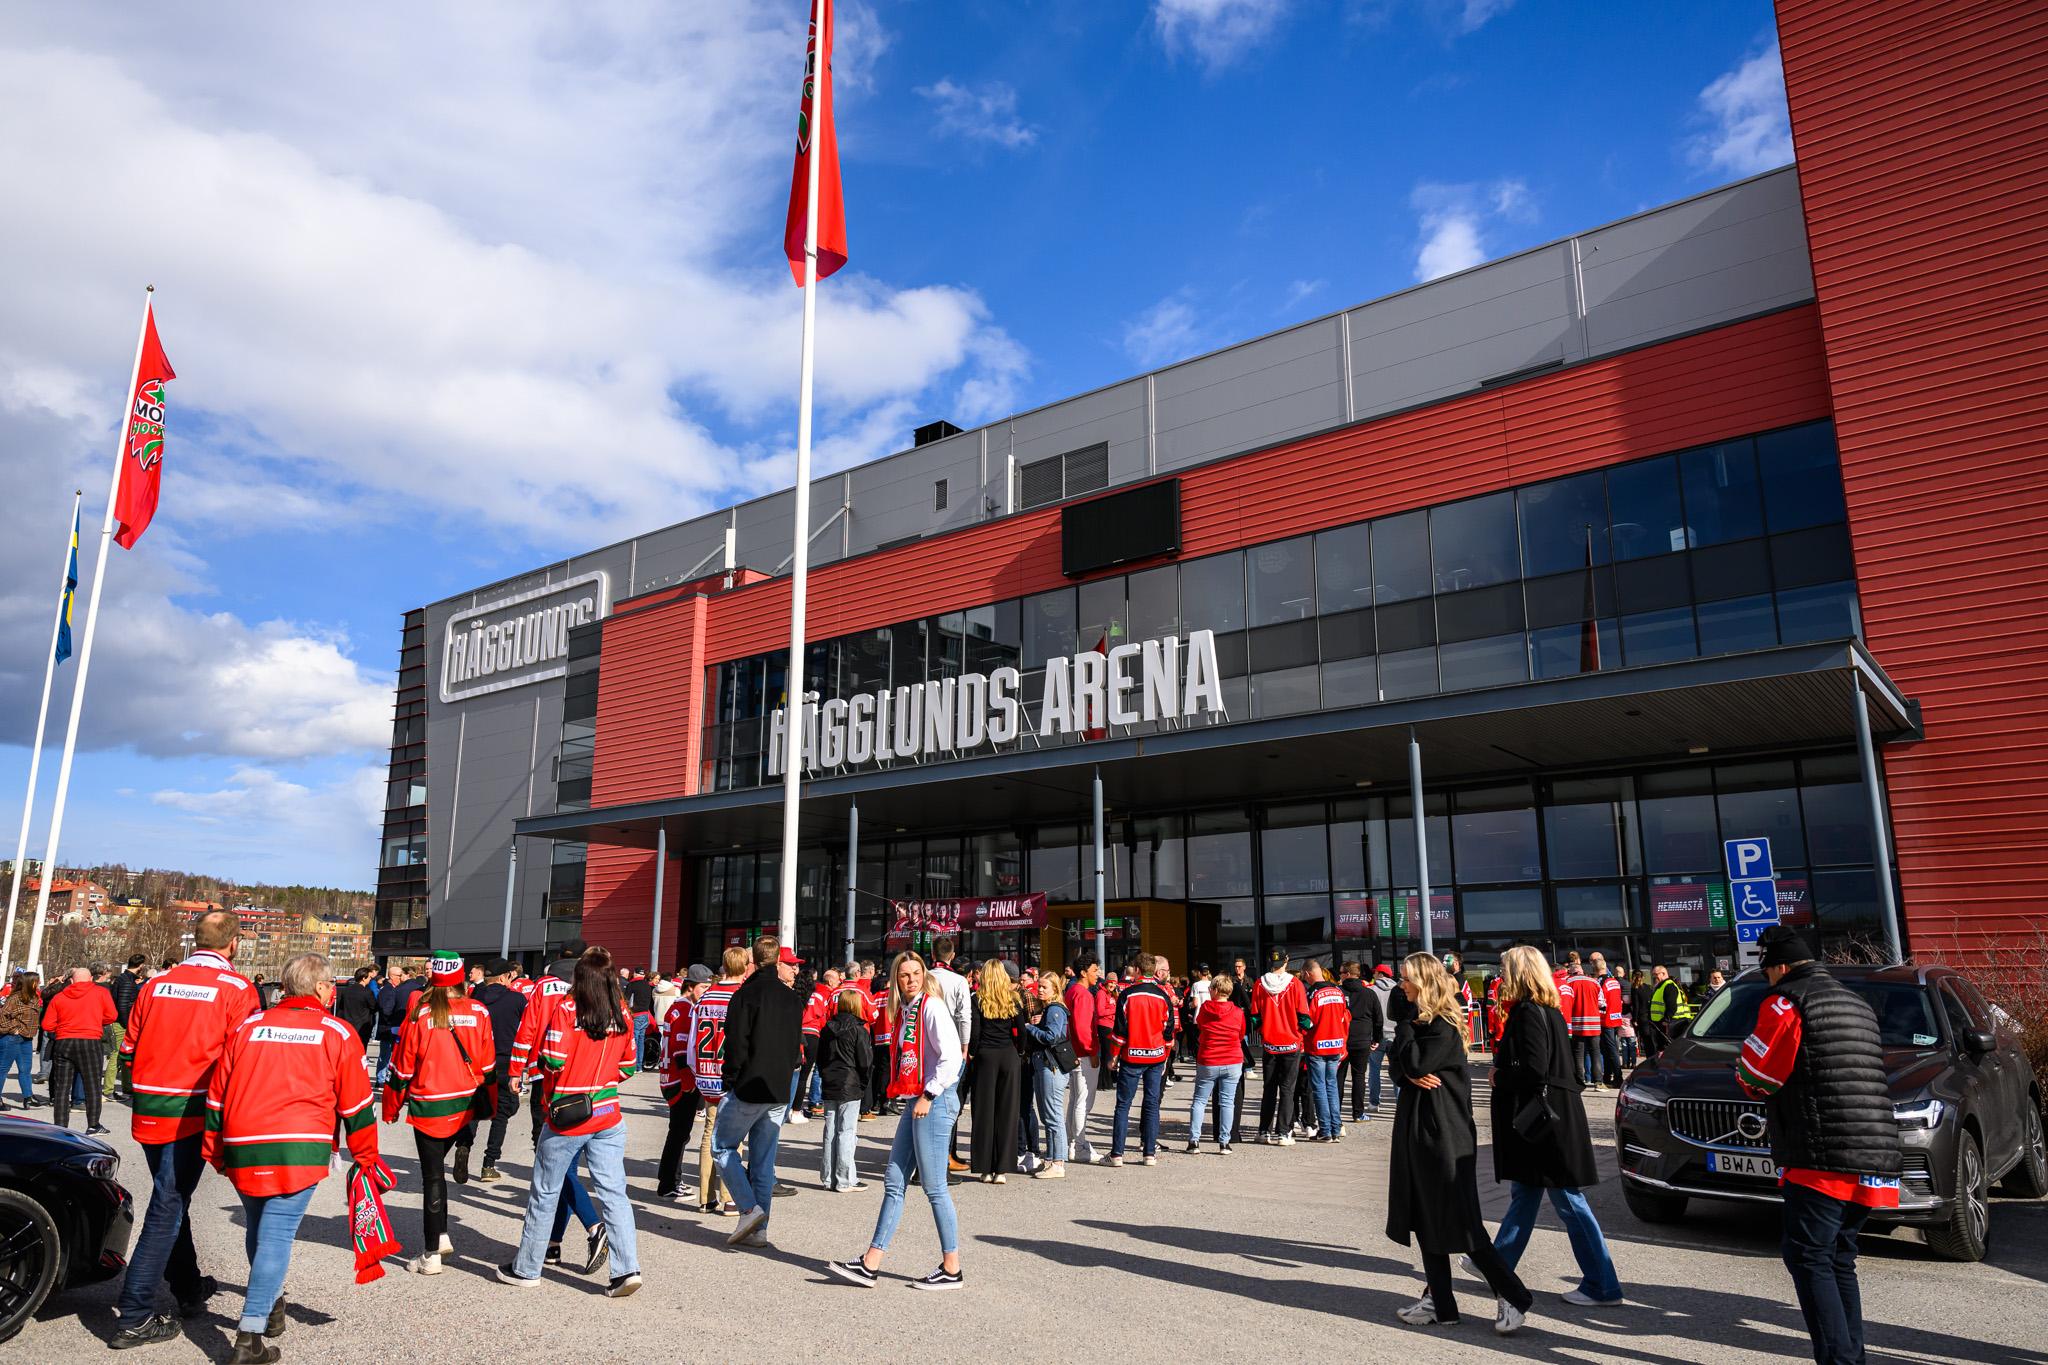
1101,944
1421,840
660,883
511,880
1880,839
852,871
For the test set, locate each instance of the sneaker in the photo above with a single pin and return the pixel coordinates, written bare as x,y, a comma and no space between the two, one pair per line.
1149,1160
447,1248
1284,1140
194,1306
553,1256
1115,1162
1579,1298
724,1208
1421,1313
148,1332
507,1275
856,1185
751,1219
274,1327
461,1171
1507,1319
796,1119
784,1190
598,1248
489,1175
757,1238
854,1271
1263,1140
622,1286
1051,1170
1223,1149
1192,1148
94,1129
941,1278
426,1264
251,1349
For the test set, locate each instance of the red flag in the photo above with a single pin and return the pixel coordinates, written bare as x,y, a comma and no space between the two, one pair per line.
142,452
814,130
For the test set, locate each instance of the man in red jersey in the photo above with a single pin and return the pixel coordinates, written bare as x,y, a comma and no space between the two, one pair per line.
1280,1014
177,1028
1143,1035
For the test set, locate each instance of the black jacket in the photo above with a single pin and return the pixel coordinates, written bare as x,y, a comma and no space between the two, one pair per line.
846,1058
764,1036
1835,1114
125,986
1536,1052
1433,1134
356,1007
395,1004
640,996
505,1006
1367,1019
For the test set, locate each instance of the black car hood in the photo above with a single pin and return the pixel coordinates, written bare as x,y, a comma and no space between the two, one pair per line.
31,1142
1698,1068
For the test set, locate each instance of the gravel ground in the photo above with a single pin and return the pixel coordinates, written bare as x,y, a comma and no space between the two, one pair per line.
1275,1251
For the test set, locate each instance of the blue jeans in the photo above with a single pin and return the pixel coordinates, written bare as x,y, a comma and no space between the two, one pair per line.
1596,1267
385,1047
1322,1088
1050,1088
640,1023
759,1127
163,1248
575,1199
553,1155
1221,1081
273,1225
17,1054
1819,1248
1372,1076
841,1117
921,1146
1151,1076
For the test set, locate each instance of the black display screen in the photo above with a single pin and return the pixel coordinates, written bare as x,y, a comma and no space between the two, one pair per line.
1140,524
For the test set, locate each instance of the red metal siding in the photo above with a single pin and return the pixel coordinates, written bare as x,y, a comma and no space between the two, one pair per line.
1750,376
1922,137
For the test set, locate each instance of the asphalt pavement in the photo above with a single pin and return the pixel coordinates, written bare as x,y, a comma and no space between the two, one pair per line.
1269,1253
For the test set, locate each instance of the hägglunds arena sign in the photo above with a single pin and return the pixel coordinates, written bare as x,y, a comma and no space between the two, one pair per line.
1089,693
519,639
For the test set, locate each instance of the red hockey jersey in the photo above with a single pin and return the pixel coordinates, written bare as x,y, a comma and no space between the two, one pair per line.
177,1027
285,1077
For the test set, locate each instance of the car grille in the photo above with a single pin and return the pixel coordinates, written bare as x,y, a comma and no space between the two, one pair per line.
1915,1177
1713,1123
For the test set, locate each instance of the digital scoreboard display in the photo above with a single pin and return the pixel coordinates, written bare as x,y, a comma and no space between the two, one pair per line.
1140,524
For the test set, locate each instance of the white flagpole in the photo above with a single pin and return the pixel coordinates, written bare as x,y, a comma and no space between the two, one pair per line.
793,746
35,755
92,620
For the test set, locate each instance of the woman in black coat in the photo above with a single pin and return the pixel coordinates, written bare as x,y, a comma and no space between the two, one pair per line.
1433,1190
996,1045
1540,1142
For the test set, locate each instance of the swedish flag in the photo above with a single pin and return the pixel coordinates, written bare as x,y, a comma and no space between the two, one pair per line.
70,592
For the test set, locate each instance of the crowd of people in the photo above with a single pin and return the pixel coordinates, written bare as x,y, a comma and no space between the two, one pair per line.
266,1091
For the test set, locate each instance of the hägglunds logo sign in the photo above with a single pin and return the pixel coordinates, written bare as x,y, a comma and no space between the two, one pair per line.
519,639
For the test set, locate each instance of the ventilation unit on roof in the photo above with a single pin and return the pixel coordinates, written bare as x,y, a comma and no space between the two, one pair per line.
933,431
1063,476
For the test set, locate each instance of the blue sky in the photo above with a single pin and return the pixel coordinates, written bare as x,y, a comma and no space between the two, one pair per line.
456,291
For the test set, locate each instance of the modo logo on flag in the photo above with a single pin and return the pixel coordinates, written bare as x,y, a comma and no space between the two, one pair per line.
1088,694
519,639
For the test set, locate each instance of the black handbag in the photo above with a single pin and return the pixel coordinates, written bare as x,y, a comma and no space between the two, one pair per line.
1533,1118
569,1110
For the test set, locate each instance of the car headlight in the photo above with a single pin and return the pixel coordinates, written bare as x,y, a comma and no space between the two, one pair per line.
1643,1101
104,1167
1919,1113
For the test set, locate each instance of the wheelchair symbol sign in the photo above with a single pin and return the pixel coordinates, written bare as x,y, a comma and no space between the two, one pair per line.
1755,902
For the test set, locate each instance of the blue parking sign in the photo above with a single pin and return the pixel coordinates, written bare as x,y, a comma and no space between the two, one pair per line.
1747,858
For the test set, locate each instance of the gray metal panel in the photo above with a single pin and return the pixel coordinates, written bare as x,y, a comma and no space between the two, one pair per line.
1727,255
1115,415
1446,337
764,527
674,553
496,747
1251,395
894,498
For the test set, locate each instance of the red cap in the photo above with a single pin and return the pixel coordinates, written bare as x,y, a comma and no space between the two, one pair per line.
790,958
1383,970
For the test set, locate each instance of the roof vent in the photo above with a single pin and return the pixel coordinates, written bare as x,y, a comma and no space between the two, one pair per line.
933,431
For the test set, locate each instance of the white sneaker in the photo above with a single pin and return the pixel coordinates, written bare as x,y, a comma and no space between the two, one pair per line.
1051,1170
1507,1319
429,1264
750,1221
1286,1139
447,1248
796,1118
1579,1298
1421,1313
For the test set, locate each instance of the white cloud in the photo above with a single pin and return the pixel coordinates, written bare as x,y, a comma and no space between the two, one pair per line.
1747,129
1474,14
1216,32
1167,331
346,810
1455,223
980,113
1300,292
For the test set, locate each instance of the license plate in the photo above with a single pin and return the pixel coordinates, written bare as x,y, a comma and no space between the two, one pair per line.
1741,1163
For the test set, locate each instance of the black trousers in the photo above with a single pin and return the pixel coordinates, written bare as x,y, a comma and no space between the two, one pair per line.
1436,1265
1353,1069
500,1117
1610,1056
85,1058
1276,1102
803,1075
682,1117
878,1080
433,1187
537,1106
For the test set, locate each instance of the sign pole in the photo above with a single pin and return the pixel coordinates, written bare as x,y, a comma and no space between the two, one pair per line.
1101,942
92,620
1881,843
35,754
1421,843
852,871
511,881
660,879
800,542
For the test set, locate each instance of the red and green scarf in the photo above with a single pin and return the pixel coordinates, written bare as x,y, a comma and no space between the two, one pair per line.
906,1076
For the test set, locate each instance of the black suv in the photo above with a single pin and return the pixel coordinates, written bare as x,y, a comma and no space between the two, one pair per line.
1967,1102
64,1218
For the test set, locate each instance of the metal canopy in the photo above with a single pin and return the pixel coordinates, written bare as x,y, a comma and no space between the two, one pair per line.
1787,697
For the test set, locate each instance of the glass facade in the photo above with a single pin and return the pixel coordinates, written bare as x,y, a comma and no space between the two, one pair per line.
399,919
1736,546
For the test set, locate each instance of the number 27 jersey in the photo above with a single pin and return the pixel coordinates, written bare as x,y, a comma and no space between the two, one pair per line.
707,1039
